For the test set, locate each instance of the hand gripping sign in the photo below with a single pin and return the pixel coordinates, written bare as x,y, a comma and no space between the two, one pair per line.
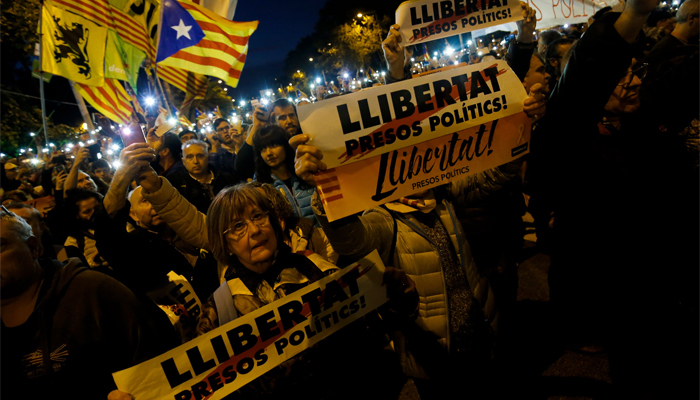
426,20
227,358
384,143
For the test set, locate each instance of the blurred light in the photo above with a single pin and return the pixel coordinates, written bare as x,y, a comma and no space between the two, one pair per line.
449,51
172,120
34,161
126,131
220,81
81,144
312,86
45,150
332,82
116,164
345,76
150,101
211,115
362,71
359,15
566,26
242,103
311,59
383,73
99,156
495,48
289,84
269,92
265,102
412,59
52,145
85,125
21,151
110,152
435,54
69,145
247,115
318,80
2,154
469,42
456,62
480,53
115,147
225,89
72,156
90,141
290,99
31,134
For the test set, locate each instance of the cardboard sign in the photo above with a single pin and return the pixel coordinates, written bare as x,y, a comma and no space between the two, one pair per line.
226,358
426,20
353,188
379,120
559,12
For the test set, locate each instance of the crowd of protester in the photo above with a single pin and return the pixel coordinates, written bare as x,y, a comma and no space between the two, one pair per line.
142,250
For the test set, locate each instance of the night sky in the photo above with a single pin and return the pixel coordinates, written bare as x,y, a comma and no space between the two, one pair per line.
282,24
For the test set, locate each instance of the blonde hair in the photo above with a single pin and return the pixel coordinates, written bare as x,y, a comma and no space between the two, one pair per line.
229,205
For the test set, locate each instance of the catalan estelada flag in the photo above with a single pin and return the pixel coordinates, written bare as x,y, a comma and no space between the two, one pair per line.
221,52
72,46
189,82
111,100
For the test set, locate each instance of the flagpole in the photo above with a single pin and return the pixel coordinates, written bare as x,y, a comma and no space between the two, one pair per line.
41,73
83,108
162,92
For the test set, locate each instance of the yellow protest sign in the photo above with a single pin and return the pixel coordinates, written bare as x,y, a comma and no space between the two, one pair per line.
227,358
72,46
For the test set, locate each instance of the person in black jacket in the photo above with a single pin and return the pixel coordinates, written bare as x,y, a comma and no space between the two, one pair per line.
606,277
65,328
200,181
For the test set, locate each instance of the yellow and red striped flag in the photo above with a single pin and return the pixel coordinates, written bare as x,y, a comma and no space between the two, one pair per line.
188,82
111,100
222,51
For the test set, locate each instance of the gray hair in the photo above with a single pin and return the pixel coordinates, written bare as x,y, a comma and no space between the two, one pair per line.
17,224
687,9
197,142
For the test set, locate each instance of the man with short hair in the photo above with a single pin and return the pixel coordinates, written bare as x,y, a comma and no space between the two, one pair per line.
101,169
554,59
284,114
168,155
200,181
65,329
39,228
230,139
547,37
186,135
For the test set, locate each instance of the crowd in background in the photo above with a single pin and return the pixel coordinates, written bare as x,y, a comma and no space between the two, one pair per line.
115,252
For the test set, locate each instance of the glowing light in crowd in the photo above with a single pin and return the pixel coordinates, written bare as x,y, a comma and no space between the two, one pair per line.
69,145
90,141
126,131
81,144
115,147
435,54
45,150
116,164
412,59
359,15
225,89
449,51
72,156
480,53
85,125
247,115
290,99
219,80
21,151
383,73
495,48
32,134
99,156
269,92
34,161
456,62
362,71
211,115
469,42
311,59
265,102
312,86
289,84
332,83
318,80
2,154
345,76
172,120
52,145
242,103
110,152
566,26
150,101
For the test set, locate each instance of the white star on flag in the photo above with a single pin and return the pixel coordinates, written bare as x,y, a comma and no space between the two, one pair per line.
182,30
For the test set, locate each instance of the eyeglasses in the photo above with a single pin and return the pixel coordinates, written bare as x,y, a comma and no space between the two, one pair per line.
640,73
223,128
240,228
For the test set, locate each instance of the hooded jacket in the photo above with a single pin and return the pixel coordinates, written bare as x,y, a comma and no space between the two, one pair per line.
84,327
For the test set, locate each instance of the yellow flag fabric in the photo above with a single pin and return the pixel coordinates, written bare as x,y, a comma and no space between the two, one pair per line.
111,100
72,46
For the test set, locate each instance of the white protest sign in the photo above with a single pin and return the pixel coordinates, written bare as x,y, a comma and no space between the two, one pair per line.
425,20
227,358
375,121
